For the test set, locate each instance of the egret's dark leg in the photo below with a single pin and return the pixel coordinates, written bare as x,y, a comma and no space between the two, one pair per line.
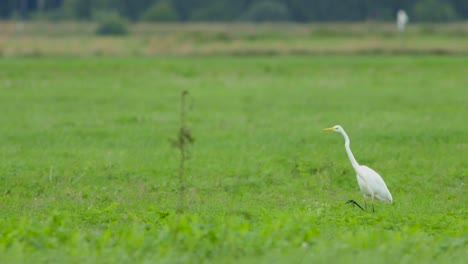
355,203
373,204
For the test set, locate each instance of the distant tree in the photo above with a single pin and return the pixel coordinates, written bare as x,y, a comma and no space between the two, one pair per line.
302,11
67,11
185,7
74,9
267,11
219,10
381,10
434,11
133,9
461,7
231,10
83,9
343,10
162,11
7,8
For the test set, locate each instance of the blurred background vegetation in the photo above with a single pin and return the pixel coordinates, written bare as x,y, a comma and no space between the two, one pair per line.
233,27
236,10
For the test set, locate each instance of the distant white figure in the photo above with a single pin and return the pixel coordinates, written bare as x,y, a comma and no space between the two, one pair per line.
402,20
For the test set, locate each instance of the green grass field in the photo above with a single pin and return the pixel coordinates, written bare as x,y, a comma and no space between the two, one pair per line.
88,173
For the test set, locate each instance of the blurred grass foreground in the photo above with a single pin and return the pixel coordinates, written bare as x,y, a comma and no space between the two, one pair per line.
74,38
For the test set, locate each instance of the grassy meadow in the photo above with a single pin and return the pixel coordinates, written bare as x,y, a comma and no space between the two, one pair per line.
88,173
79,39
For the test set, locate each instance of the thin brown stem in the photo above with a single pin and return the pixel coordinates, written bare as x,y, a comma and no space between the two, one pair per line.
182,138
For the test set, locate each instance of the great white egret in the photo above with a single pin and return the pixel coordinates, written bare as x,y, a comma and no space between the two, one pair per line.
402,20
371,184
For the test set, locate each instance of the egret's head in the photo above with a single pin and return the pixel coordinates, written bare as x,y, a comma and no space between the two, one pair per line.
336,128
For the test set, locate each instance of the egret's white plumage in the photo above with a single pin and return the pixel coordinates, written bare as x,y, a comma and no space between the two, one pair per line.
370,182
402,20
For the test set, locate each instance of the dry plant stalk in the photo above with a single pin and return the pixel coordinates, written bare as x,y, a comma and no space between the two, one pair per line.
184,139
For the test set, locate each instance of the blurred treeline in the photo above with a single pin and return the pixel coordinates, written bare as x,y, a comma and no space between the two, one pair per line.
236,10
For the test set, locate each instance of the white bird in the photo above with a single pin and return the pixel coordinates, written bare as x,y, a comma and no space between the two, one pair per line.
402,20
370,182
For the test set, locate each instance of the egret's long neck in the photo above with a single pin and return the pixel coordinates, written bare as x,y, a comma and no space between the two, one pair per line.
348,150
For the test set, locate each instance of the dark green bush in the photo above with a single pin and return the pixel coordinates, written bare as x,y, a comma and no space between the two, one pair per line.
112,24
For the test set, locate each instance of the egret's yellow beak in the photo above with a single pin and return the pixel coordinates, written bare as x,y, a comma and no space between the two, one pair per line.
329,129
